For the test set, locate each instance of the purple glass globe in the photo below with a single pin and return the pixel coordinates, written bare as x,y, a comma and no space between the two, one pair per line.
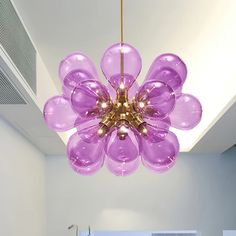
90,98
132,91
154,134
160,156
169,63
90,134
122,168
111,64
83,123
168,76
85,158
178,92
72,80
155,99
74,62
159,123
122,149
187,112
59,115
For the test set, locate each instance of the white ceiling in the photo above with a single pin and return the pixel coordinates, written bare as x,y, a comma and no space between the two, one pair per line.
202,32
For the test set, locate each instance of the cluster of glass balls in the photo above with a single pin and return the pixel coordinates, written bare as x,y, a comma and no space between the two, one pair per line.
85,101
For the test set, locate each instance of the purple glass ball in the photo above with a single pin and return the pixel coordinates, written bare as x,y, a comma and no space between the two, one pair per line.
90,134
122,149
90,98
160,156
85,158
74,62
170,64
111,64
159,123
154,134
168,76
122,168
72,80
155,99
59,115
187,112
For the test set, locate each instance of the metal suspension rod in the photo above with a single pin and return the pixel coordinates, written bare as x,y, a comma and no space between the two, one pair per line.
122,42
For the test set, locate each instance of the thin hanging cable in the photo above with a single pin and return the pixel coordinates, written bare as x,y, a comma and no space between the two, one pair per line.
122,42
121,21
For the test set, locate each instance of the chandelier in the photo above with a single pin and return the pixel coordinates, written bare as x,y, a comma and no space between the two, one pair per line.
122,124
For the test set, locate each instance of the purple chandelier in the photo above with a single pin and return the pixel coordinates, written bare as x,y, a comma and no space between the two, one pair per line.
122,124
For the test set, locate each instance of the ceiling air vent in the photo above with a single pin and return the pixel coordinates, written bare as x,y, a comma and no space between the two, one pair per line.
16,42
8,93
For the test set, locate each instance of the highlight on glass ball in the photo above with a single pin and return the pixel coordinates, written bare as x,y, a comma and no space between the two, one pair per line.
121,125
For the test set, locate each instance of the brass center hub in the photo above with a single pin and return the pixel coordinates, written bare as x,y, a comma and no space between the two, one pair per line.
122,114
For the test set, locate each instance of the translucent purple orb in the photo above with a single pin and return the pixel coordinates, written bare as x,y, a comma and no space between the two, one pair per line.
160,156
155,99
187,112
171,64
72,80
122,150
74,62
168,76
112,61
86,158
59,115
90,99
122,168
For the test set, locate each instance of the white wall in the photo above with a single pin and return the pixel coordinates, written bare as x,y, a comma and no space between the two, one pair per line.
229,233
199,193
22,185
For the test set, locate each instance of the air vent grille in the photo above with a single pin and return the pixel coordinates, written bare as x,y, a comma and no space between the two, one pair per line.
17,43
8,93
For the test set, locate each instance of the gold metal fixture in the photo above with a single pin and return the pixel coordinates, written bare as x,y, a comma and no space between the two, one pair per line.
122,114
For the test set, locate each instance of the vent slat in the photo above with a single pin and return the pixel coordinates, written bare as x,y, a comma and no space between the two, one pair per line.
16,42
8,93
